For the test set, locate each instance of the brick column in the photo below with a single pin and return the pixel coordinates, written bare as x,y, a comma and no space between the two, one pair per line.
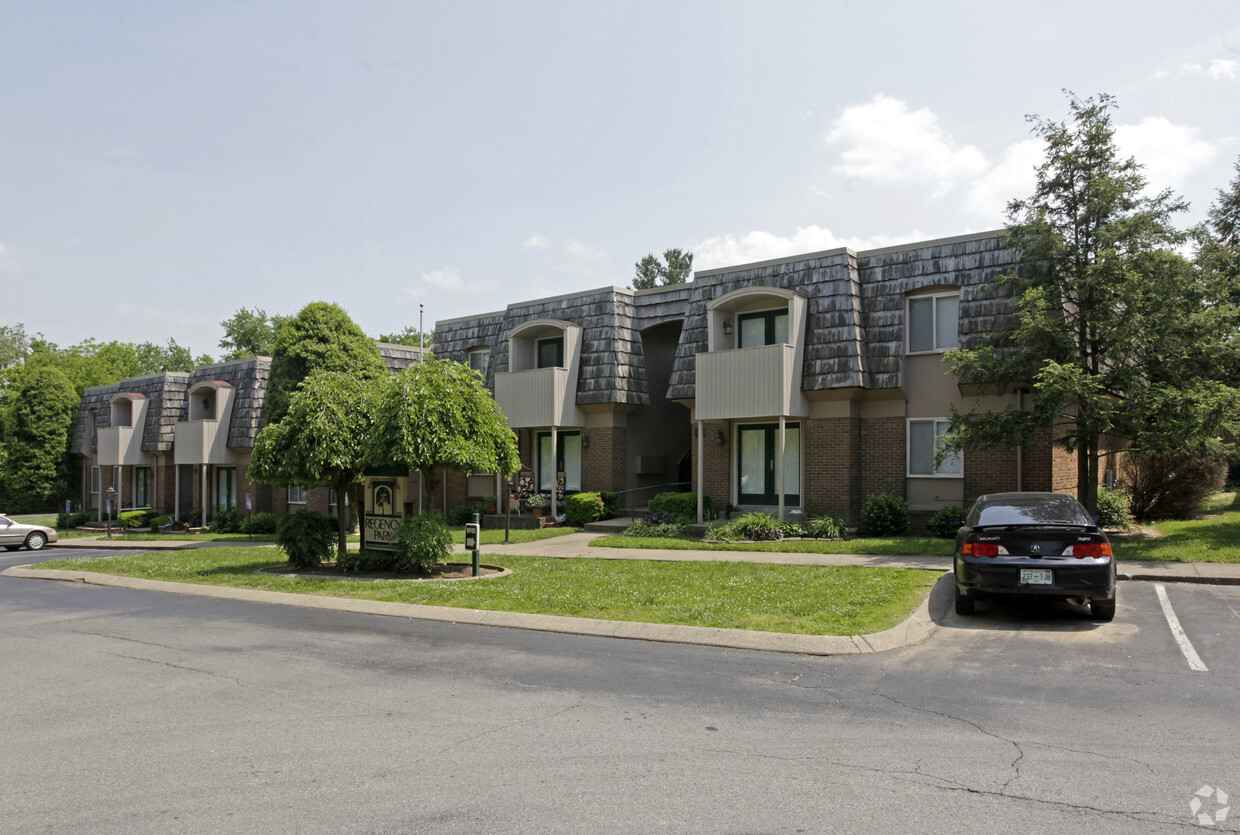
603,461
881,458
832,477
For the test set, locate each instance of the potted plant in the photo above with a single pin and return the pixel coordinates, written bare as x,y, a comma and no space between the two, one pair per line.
536,502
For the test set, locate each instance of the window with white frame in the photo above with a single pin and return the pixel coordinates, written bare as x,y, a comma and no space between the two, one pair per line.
297,494
925,439
94,479
478,359
933,322
331,498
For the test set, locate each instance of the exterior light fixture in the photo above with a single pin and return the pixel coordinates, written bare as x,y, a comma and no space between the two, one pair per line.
718,437
727,326
585,441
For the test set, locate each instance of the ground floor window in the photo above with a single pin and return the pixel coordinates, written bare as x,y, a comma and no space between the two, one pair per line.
331,498
925,439
756,470
567,460
94,479
297,494
116,480
225,486
142,487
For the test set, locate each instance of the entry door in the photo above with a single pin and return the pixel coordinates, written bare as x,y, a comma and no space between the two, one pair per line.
756,468
185,479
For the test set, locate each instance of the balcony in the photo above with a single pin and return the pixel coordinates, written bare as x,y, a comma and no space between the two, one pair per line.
538,397
749,383
202,442
119,446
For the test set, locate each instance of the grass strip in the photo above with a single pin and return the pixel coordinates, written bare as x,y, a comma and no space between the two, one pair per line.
896,546
804,600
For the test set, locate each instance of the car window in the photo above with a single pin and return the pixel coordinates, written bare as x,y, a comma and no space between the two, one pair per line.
1030,510
4,520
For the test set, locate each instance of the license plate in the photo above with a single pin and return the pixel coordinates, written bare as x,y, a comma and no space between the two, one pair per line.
1036,577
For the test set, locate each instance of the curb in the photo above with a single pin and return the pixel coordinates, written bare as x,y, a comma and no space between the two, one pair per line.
920,625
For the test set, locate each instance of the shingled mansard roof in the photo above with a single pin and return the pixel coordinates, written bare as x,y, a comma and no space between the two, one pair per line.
169,403
855,305
612,369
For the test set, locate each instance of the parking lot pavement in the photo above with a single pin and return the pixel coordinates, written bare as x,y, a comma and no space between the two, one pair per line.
1194,633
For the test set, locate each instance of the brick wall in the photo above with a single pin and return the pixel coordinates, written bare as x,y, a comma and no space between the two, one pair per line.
990,470
603,462
882,456
716,460
832,476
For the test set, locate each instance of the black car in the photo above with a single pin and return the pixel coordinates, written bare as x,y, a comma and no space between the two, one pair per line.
1034,543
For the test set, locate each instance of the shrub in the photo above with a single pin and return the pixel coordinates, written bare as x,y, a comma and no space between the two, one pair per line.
259,523
681,505
366,560
611,504
464,514
757,526
72,520
130,519
1113,509
940,523
640,527
225,521
1169,486
307,538
826,527
421,542
160,521
661,517
583,508
884,515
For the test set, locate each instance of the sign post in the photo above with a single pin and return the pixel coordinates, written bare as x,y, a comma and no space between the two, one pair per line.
471,540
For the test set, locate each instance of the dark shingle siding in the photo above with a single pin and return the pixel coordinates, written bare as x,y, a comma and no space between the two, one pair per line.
249,378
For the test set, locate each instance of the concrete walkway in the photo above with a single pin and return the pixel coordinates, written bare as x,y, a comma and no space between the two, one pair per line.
919,626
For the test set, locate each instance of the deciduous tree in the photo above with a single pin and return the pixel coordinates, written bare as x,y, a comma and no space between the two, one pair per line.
675,268
37,420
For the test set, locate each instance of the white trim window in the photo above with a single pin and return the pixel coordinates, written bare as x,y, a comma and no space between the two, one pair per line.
925,439
331,497
478,359
297,494
94,479
933,322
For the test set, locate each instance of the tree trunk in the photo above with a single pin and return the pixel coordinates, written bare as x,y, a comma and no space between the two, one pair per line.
342,515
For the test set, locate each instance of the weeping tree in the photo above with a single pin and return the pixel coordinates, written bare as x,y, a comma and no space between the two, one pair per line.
437,415
323,440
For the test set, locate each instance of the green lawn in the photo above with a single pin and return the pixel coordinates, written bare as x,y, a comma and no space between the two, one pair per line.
491,536
896,546
1214,538
809,600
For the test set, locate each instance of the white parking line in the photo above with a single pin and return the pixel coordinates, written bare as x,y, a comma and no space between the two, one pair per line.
1177,631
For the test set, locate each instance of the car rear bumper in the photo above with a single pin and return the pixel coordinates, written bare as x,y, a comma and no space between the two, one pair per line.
1095,580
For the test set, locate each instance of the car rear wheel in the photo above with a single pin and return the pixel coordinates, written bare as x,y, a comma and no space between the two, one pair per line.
36,541
964,604
1103,610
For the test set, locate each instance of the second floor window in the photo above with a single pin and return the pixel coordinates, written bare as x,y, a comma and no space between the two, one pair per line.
551,352
478,359
933,322
770,327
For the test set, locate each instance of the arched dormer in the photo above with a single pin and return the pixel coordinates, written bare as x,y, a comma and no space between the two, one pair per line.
205,400
125,408
544,343
755,316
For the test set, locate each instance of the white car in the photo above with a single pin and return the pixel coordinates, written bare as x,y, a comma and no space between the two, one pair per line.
14,535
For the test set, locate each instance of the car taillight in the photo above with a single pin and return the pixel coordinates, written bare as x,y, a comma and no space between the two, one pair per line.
1091,550
983,549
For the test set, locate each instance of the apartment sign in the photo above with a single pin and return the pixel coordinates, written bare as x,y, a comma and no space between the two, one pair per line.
385,510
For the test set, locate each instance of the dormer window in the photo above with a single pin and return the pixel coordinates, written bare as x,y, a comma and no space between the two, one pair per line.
767,327
122,412
478,360
933,322
202,404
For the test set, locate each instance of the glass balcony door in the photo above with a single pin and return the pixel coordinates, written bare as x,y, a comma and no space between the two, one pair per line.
757,473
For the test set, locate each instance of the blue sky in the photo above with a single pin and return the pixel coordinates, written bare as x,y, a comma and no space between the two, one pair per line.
163,164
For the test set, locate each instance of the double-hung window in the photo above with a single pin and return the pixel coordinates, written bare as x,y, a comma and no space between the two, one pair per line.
478,359
925,439
297,494
933,322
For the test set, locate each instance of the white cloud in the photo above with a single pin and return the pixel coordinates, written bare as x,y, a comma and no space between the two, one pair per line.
1168,151
1219,69
446,280
884,141
8,261
537,242
760,245
1012,177
577,251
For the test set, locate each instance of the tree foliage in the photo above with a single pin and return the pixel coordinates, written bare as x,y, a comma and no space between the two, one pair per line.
322,440
321,337
37,422
675,268
437,415
250,333
409,336
1115,333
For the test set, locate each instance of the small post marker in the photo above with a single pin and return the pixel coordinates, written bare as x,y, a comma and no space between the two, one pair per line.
471,540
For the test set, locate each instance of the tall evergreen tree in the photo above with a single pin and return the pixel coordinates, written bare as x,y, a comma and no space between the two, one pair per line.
1115,333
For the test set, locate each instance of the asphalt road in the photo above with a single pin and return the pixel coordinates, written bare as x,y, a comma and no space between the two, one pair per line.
143,712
